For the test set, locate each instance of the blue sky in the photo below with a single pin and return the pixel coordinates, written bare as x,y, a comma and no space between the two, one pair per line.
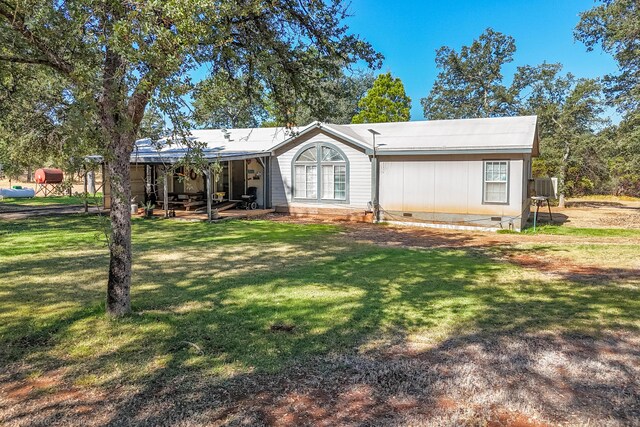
408,32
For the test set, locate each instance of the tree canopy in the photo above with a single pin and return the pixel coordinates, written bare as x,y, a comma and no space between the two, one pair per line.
386,101
40,125
115,56
470,82
569,112
338,100
614,26
224,102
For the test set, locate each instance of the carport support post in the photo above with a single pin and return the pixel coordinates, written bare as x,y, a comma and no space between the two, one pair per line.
91,181
375,193
86,205
166,194
209,192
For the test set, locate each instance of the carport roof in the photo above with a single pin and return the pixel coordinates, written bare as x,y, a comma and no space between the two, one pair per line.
227,144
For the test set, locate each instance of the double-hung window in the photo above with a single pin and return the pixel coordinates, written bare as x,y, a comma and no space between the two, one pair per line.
332,165
334,175
306,175
496,181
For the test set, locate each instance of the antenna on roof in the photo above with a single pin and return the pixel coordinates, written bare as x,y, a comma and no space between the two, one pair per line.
226,133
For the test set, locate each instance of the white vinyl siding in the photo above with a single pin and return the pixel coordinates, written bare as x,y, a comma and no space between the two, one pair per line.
448,187
496,182
358,187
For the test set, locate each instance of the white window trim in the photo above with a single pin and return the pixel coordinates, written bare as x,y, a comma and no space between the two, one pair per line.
484,182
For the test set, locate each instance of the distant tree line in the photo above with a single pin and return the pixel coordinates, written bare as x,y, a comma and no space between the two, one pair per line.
579,144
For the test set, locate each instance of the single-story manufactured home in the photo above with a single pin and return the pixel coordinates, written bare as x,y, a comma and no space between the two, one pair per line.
447,173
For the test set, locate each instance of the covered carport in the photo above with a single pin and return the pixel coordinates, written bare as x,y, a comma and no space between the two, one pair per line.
170,187
159,174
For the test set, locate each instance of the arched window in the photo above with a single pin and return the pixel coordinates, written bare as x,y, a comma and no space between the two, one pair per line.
332,165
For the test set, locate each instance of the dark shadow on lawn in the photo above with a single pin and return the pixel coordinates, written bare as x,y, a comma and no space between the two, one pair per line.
494,379
382,293
543,218
595,204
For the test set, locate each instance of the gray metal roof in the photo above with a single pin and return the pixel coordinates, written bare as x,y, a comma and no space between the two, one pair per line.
227,144
488,135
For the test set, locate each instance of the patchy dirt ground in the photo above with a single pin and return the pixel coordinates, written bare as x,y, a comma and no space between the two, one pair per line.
12,214
506,379
579,213
596,214
515,380
419,237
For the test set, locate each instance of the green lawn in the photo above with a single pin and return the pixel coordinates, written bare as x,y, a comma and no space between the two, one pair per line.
51,201
561,230
208,296
584,232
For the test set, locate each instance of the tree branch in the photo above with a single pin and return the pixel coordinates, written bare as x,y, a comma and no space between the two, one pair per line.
18,24
18,60
141,95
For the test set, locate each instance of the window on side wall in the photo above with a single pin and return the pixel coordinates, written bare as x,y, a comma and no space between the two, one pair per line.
332,165
496,182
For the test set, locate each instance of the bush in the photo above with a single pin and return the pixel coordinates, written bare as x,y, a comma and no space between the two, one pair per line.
628,185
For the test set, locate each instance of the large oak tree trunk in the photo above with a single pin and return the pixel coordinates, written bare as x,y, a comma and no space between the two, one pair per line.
119,284
120,119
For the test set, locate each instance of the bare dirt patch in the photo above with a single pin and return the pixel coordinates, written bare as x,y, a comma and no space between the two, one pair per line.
418,237
18,390
48,395
502,247
597,214
567,268
508,379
